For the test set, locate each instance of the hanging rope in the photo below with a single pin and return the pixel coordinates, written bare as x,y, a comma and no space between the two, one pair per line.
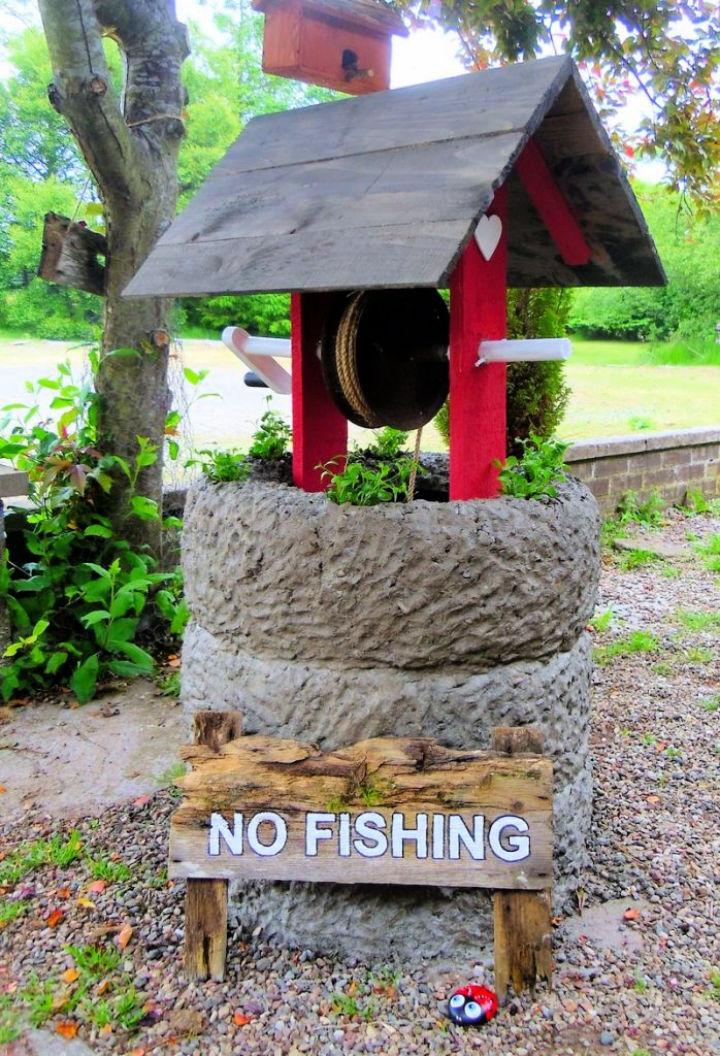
415,466
346,360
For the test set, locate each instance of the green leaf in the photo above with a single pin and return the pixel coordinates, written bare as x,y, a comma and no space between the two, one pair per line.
125,669
122,631
91,618
98,530
55,662
84,680
135,654
144,508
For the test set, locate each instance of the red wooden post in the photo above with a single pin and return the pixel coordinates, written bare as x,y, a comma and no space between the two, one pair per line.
478,309
319,429
552,206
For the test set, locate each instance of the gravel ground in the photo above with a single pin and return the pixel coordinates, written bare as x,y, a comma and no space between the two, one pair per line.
638,985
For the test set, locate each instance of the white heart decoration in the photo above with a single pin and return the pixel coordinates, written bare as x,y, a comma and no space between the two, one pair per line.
488,234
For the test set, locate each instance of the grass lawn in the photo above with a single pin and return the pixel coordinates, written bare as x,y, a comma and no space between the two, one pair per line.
615,390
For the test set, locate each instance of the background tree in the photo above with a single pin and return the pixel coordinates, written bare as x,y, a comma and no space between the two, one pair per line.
667,54
130,142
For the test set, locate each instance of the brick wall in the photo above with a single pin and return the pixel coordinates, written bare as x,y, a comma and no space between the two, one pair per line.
670,462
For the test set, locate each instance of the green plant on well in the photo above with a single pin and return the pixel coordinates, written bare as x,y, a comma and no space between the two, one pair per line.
80,598
359,483
388,443
222,467
538,469
637,642
272,437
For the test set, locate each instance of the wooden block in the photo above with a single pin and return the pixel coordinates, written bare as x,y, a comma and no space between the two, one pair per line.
70,255
206,900
386,811
523,940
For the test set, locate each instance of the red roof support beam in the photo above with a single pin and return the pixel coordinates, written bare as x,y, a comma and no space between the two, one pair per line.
552,206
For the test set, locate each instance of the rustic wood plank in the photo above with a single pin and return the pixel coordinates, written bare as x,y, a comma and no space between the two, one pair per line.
384,191
523,940
206,900
391,778
378,258
522,919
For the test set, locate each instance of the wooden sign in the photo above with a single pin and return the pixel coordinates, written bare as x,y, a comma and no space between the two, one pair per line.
387,810
383,811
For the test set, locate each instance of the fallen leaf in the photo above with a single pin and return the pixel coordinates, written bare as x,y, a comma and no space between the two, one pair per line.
54,917
141,801
653,799
570,1006
137,1052
70,975
86,903
241,1020
2,788
63,892
107,1029
631,914
173,661
102,987
66,1028
124,936
97,887
661,746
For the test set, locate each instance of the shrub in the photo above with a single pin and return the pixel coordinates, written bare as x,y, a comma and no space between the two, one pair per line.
537,395
222,467
536,472
80,604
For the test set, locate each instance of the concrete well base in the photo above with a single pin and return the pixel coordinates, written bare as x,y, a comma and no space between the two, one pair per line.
332,624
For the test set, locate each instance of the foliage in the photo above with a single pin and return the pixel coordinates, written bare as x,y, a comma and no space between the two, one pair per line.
709,550
689,306
698,621
272,437
30,856
388,442
362,483
638,559
636,642
82,596
222,467
696,502
633,509
666,56
537,395
538,469
601,620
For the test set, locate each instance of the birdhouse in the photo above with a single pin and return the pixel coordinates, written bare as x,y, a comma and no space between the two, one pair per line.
340,44
367,208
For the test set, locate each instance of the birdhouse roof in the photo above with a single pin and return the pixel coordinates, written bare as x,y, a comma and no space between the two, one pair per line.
385,190
374,15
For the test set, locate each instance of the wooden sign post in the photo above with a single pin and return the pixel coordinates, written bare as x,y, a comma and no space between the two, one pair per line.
383,811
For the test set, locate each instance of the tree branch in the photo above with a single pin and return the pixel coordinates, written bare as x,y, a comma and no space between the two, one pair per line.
83,94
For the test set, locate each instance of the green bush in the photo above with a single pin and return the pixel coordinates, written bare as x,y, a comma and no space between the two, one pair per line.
272,437
536,392
688,307
85,598
267,314
368,483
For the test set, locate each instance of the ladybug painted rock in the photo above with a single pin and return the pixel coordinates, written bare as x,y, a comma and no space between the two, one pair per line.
471,1005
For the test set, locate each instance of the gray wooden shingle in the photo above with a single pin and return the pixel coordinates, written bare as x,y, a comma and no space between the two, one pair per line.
384,190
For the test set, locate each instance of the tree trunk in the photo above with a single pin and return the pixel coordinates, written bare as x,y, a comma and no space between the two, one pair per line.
130,144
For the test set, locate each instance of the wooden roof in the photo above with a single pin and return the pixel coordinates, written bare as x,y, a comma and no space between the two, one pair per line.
374,15
384,190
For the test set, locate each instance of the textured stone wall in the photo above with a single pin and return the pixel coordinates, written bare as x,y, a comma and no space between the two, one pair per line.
671,463
331,624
